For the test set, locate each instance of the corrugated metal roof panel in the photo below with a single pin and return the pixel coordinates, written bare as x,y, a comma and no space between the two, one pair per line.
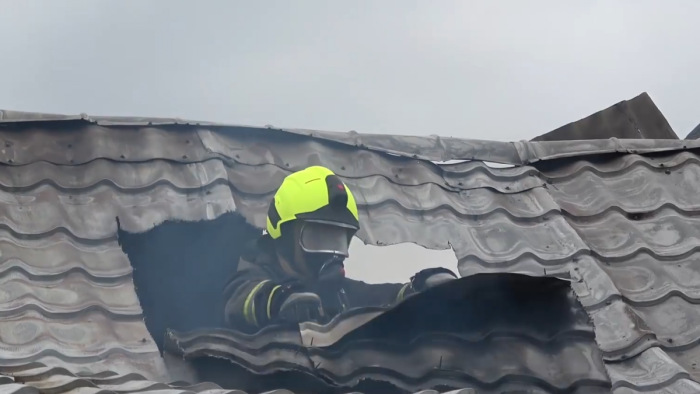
433,148
621,226
635,118
637,216
90,216
68,298
58,380
37,378
652,371
72,144
54,256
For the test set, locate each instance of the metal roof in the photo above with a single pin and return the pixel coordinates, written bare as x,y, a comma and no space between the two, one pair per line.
618,216
532,337
694,134
635,118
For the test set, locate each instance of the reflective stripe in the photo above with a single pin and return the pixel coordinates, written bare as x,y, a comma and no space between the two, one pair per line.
399,297
269,300
249,305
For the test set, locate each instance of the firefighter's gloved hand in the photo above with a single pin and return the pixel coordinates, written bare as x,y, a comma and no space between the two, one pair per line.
279,294
301,307
431,277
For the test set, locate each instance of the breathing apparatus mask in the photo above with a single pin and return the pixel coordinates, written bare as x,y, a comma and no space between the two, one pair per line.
325,246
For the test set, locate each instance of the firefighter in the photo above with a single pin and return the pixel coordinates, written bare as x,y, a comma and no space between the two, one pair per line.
295,272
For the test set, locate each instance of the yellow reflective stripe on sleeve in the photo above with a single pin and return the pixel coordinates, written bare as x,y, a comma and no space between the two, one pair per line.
269,300
249,304
399,297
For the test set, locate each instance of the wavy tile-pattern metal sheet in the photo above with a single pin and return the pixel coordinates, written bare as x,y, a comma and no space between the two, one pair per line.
67,298
68,303
638,217
433,148
639,189
39,378
91,215
53,256
628,245
633,221
664,234
68,294
652,371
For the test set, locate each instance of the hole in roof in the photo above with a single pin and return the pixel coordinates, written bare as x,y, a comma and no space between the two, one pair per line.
532,324
180,269
498,165
394,263
490,164
448,162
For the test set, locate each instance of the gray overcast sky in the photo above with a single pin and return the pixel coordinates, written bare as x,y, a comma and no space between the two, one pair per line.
503,70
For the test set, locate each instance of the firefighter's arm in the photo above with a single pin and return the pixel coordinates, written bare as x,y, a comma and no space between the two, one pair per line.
254,300
361,294
366,294
427,278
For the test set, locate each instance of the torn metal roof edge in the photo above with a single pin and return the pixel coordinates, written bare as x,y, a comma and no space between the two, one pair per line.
411,348
635,118
433,148
694,134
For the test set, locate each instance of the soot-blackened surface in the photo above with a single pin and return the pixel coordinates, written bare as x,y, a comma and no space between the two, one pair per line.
489,332
180,269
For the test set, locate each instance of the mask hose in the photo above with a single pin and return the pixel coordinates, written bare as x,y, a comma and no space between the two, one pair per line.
332,269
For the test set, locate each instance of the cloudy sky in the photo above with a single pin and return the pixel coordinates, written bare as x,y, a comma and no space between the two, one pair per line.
504,70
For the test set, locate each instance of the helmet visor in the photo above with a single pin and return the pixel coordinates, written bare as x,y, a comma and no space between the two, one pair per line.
319,237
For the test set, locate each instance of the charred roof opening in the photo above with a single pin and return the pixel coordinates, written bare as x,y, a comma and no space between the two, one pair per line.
489,332
180,269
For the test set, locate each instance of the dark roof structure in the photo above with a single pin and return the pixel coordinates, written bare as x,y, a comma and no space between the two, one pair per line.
638,118
523,333
614,219
694,134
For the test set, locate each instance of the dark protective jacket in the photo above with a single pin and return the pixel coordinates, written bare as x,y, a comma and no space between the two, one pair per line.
253,294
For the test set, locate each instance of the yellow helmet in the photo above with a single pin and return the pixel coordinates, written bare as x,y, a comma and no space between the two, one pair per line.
314,194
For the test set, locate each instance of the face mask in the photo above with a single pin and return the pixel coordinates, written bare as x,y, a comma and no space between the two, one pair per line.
326,267
323,238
